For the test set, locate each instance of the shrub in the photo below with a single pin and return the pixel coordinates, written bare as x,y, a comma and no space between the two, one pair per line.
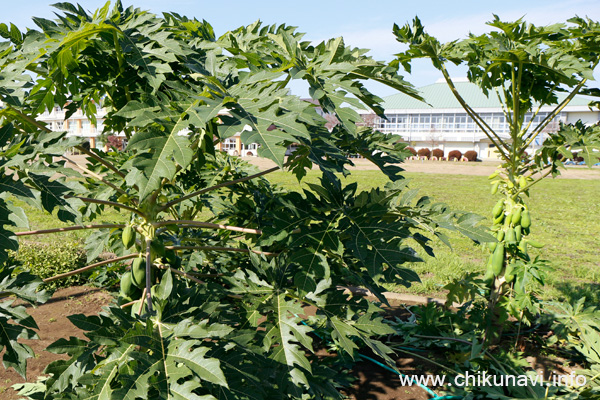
46,260
115,142
471,155
413,151
439,153
454,154
424,152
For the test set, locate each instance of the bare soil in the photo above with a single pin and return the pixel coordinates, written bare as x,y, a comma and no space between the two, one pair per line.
372,382
484,168
53,324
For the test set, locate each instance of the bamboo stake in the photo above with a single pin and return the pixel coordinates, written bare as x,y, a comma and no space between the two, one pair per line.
142,302
129,304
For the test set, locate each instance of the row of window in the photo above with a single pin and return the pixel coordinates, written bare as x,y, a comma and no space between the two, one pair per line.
459,122
73,126
229,144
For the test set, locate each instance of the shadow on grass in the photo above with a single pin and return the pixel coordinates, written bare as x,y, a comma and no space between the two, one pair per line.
572,292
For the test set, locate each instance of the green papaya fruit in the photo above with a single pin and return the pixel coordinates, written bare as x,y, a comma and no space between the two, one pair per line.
492,245
127,287
523,247
510,236
500,236
498,259
498,208
495,187
128,236
518,233
495,174
525,219
158,247
508,273
516,216
138,272
488,278
499,219
535,244
522,181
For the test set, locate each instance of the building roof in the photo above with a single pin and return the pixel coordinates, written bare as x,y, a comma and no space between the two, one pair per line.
439,96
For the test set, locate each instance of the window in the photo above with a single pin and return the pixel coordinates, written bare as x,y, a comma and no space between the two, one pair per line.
460,123
229,144
448,122
72,126
436,123
86,126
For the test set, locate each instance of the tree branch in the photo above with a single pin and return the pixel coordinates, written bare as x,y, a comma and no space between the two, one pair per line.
101,161
216,248
69,228
538,129
494,137
186,275
534,182
207,225
107,203
94,175
220,185
91,266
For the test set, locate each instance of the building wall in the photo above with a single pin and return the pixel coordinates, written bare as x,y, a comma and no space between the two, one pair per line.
587,117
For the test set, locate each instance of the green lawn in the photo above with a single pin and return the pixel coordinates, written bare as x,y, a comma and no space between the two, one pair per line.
565,213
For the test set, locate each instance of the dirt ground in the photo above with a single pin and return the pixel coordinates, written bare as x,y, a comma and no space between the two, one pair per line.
53,325
372,382
484,168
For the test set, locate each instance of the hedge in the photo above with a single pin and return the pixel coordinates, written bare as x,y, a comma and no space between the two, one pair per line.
471,155
424,152
438,153
454,154
47,260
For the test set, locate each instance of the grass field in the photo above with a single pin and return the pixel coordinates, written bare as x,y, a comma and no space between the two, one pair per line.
565,214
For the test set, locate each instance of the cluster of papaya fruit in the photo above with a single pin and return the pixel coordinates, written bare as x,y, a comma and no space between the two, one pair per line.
133,281
511,226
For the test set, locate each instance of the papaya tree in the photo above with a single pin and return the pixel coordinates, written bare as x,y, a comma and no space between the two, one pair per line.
527,68
223,264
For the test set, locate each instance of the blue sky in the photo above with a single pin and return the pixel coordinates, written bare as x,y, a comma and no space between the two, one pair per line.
365,24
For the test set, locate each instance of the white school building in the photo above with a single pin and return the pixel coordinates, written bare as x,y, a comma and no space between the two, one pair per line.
440,122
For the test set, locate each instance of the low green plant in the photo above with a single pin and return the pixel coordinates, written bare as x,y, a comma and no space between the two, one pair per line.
50,259
525,67
227,263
